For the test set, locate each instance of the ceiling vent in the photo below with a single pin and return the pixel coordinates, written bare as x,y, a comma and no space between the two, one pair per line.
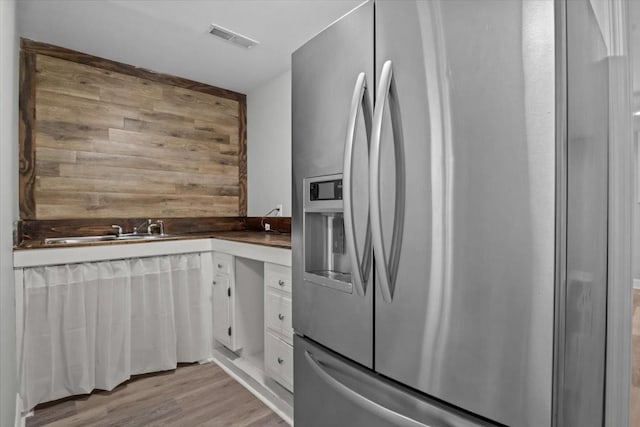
232,37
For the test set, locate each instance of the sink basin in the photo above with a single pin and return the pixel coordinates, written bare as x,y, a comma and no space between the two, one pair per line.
107,238
82,239
141,236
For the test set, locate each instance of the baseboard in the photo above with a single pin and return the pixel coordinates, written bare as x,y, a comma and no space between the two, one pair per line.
21,418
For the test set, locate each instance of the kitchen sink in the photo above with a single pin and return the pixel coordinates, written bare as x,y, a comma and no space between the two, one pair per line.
82,239
106,238
141,236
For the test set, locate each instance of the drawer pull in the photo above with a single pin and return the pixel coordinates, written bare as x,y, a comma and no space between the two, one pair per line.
281,282
219,265
280,316
215,283
280,360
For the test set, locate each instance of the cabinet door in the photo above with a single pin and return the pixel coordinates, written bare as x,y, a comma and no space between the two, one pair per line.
221,318
278,314
278,360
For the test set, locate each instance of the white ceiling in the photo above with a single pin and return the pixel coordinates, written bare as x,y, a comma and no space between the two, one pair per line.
171,36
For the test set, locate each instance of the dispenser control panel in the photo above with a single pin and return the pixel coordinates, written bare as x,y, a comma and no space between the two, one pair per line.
325,190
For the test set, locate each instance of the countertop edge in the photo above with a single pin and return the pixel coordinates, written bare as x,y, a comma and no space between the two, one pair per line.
233,244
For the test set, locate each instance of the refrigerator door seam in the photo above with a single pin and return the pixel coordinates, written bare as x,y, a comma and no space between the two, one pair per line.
387,267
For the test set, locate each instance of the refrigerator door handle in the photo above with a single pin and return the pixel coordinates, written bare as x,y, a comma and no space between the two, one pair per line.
360,270
380,411
387,267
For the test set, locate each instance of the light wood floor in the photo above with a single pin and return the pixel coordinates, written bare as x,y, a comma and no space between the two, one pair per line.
192,395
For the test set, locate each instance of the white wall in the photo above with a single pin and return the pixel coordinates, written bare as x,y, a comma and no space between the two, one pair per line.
269,146
8,206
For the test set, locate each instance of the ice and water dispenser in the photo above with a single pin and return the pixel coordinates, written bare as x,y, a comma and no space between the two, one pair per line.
326,261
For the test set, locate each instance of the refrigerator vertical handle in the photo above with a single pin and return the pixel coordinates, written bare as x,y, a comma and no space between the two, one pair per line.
380,411
387,266
359,269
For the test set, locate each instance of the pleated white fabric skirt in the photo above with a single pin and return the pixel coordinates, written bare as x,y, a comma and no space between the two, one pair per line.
93,325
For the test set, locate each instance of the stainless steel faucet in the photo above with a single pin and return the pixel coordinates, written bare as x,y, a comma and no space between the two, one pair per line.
118,229
147,223
158,224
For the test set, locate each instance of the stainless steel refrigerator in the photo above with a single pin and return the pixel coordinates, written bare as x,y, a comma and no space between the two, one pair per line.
430,182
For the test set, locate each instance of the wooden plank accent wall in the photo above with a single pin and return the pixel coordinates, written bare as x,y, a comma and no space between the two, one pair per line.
100,139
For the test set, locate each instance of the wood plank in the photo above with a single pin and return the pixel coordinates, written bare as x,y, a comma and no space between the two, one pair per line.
88,418
154,128
181,97
95,106
80,74
92,159
218,127
62,211
59,76
107,205
69,136
62,410
56,155
44,168
242,157
55,183
77,76
27,112
126,97
225,177
133,148
200,113
156,141
208,189
78,116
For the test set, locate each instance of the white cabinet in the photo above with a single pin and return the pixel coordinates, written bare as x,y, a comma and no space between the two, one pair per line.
278,342
278,360
278,277
224,301
278,314
249,305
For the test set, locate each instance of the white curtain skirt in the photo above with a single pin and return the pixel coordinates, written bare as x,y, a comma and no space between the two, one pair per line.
93,325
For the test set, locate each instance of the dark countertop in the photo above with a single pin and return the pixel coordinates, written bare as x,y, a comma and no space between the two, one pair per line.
273,239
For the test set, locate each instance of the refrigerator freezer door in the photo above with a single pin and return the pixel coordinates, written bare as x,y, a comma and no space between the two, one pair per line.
325,75
468,315
331,391
582,361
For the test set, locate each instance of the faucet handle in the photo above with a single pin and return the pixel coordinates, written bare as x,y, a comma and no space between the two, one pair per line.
118,229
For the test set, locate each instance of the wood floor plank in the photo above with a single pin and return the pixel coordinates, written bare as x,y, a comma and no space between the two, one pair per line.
64,409
80,419
191,396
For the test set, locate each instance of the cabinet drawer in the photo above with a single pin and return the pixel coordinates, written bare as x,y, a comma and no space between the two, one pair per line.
222,263
278,276
278,314
278,361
